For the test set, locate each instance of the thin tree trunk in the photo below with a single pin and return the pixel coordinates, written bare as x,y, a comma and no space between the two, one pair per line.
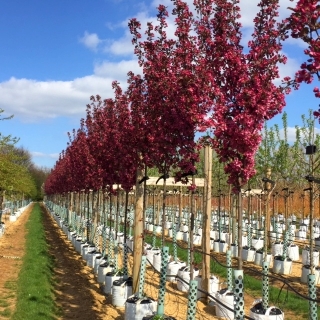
207,218
138,232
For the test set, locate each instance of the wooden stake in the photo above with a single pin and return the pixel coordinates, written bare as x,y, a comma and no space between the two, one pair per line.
206,218
138,232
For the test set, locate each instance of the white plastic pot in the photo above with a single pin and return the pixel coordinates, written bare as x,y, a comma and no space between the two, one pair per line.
282,266
129,242
257,243
293,252
179,235
223,246
157,258
273,236
216,246
184,274
244,241
234,250
103,269
306,257
277,249
158,229
227,298
121,290
172,270
301,235
272,313
197,239
214,286
248,254
168,225
259,259
305,271
186,236
150,253
108,283
137,309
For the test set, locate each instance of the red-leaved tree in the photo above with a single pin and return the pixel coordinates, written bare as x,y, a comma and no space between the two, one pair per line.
304,24
245,94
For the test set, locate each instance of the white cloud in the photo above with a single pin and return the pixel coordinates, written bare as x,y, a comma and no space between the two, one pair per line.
31,100
37,154
249,9
90,40
291,133
287,70
117,70
123,45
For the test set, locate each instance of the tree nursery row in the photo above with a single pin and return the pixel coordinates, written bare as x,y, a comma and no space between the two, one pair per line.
196,118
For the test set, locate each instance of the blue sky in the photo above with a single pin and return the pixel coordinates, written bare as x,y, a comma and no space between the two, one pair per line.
55,54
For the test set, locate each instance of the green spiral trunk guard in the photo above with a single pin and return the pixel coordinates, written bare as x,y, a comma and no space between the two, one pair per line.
286,244
74,221
273,221
162,287
189,244
125,261
236,240
229,270
110,245
141,276
115,254
277,232
104,240
192,300
238,295
96,240
154,236
174,236
81,228
313,315
265,285
249,235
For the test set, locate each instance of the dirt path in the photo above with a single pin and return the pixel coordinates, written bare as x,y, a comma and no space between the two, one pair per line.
12,248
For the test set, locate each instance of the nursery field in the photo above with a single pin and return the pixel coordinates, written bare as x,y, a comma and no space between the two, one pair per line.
76,294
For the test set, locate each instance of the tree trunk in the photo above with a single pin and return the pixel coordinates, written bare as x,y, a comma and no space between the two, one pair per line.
138,232
207,218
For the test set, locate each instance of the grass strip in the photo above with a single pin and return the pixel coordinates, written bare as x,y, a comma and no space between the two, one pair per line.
283,299
35,286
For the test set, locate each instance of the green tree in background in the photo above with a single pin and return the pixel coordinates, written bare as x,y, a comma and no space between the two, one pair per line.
19,176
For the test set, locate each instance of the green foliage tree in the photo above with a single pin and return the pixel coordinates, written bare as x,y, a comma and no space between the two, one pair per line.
39,176
19,177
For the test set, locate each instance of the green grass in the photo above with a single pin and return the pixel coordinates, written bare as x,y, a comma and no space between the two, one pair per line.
283,299
35,298
6,313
